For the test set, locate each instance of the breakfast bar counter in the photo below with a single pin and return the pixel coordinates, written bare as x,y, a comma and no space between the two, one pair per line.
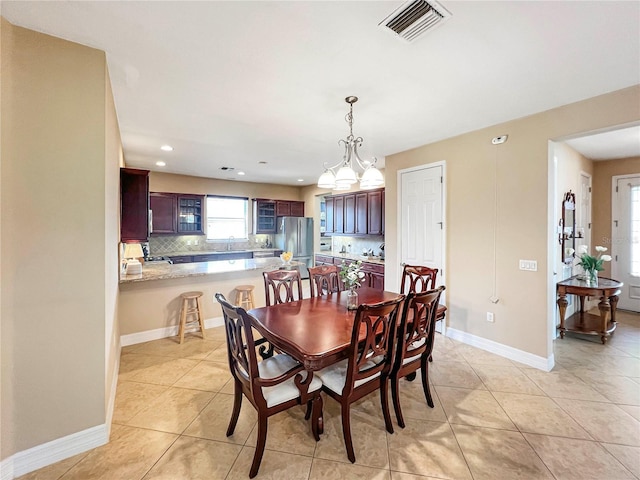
149,303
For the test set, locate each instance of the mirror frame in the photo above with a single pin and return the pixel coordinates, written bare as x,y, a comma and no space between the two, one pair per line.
568,227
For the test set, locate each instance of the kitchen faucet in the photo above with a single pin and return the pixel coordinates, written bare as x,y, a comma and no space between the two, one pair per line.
231,237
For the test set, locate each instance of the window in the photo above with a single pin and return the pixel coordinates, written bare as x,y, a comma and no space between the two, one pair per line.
227,217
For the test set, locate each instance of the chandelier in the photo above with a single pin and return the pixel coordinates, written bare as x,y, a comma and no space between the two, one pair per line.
342,175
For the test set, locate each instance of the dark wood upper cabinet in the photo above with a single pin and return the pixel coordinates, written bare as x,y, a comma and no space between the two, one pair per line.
297,209
338,214
283,209
350,213
329,212
362,209
164,208
374,205
176,213
134,205
264,216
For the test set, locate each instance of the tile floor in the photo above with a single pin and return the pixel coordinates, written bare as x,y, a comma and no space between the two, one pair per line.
493,419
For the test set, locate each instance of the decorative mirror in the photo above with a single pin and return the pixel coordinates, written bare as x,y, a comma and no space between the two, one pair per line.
568,227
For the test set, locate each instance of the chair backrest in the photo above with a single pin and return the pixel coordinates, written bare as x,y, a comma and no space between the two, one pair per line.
324,279
282,286
416,278
417,326
373,354
241,349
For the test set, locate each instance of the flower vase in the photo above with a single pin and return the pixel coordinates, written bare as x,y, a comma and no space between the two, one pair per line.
352,299
591,278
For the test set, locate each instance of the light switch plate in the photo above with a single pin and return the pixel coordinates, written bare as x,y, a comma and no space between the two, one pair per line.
529,265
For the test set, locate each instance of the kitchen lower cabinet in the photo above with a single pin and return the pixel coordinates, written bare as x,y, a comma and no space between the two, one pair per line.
323,260
182,259
373,272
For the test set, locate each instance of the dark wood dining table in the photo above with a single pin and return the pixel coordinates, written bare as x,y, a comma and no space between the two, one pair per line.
315,331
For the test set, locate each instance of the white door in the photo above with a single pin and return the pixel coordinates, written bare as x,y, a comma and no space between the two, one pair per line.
626,240
583,226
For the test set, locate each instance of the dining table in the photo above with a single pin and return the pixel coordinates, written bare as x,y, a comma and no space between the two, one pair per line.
314,331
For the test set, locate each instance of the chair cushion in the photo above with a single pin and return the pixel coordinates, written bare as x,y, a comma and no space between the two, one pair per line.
277,365
417,344
334,376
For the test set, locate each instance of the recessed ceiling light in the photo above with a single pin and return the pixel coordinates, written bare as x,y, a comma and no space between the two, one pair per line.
301,179
160,163
166,148
240,173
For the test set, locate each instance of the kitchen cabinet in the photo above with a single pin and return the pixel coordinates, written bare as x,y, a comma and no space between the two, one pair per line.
373,272
323,260
182,259
329,213
360,213
164,210
264,216
176,213
134,205
265,212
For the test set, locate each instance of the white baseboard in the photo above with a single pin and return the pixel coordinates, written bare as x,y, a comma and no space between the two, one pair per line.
511,353
158,333
51,452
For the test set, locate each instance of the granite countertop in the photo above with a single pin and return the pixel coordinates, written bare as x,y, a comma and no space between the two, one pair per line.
209,252
164,271
352,256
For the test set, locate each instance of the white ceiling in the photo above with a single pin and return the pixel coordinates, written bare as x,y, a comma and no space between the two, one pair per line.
237,82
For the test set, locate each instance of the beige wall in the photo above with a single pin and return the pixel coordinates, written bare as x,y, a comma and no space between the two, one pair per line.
522,178
603,173
55,212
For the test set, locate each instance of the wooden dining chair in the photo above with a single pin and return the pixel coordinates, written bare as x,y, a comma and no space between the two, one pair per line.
270,385
282,286
324,279
415,344
416,279
368,364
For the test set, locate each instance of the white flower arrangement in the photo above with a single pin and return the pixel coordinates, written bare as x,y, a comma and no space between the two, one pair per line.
351,274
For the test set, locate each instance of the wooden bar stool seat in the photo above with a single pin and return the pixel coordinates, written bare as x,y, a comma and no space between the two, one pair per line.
191,306
244,296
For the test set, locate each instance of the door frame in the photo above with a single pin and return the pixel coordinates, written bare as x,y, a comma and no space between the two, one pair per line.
445,268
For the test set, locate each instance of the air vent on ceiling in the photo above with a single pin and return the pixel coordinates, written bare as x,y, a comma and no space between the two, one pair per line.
414,18
226,169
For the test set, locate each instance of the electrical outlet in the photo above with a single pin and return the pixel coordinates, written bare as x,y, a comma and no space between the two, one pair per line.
195,242
188,242
490,317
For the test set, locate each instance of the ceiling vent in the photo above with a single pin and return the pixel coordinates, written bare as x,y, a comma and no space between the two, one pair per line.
412,19
226,169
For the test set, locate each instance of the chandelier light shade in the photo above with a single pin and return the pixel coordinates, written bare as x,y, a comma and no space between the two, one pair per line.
342,175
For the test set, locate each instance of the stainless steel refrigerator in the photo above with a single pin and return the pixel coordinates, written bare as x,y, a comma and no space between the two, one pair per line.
295,235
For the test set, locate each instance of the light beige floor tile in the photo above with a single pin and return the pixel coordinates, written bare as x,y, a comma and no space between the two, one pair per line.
274,466
328,470
573,459
195,459
410,476
506,379
213,421
492,454
632,410
193,347
627,366
427,448
617,389
54,471
154,369
172,411
473,407
477,356
133,397
414,404
604,421
627,456
454,374
287,431
219,355
367,431
130,454
563,384
208,376
229,387
535,414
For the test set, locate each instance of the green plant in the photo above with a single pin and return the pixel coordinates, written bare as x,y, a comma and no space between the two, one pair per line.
350,274
590,262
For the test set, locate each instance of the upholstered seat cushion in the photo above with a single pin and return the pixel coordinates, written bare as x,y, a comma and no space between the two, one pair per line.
417,344
277,365
335,376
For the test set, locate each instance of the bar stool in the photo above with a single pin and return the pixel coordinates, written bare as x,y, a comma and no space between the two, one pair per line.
244,296
188,308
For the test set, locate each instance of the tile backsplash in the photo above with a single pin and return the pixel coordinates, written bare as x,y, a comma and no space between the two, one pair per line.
163,244
356,245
